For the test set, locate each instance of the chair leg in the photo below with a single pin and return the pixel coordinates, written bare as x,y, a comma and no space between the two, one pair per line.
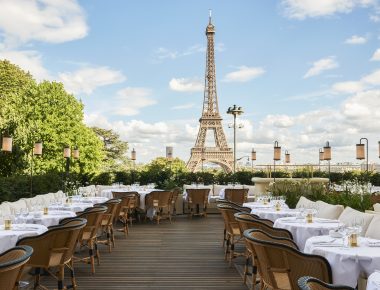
92,258
37,278
226,250
254,277
61,275
72,273
246,269
232,253
97,255
224,237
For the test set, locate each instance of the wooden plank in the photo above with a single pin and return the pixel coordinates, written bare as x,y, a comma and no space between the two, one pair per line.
186,254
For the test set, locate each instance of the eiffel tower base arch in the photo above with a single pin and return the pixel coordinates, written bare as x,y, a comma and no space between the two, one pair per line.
223,158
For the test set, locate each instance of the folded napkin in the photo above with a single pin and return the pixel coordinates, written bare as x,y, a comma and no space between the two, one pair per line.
373,243
327,221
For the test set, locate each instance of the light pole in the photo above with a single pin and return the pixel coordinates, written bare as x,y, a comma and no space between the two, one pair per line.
327,156
287,156
361,152
276,157
253,157
36,151
133,158
321,157
235,111
67,156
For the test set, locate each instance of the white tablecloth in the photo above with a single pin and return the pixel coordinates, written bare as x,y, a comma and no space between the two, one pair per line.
374,281
271,213
302,231
90,199
9,238
74,207
51,219
347,263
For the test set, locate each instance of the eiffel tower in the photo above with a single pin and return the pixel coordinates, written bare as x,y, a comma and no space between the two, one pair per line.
211,120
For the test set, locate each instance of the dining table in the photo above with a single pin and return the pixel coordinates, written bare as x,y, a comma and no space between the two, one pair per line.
9,238
303,230
52,218
347,263
71,206
373,282
270,211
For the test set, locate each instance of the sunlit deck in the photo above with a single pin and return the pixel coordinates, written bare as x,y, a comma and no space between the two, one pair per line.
186,254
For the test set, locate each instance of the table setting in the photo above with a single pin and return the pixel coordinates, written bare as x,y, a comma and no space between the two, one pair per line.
349,258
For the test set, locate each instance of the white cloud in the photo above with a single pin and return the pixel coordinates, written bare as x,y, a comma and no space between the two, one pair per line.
27,60
301,9
373,78
376,55
356,39
186,85
86,80
244,74
132,100
183,107
44,20
320,66
347,87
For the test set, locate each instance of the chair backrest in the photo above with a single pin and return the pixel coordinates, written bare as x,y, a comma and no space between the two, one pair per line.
158,199
112,206
233,204
11,264
281,265
230,223
237,195
175,193
310,283
198,195
94,216
56,246
249,221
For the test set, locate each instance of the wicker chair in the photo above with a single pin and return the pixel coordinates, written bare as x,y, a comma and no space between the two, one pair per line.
159,201
237,195
107,222
55,248
125,209
238,207
133,204
249,221
310,283
12,263
88,236
175,193
280,264
197,198
233,234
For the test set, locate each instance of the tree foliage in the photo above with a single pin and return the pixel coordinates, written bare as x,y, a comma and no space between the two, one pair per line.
30,112
114,150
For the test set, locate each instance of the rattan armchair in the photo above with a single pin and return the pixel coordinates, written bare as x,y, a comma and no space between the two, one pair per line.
280,264
88,236
310,283
197,198
106,224
133,204
12,263
249,221
160,203
233,234
55,248
237,195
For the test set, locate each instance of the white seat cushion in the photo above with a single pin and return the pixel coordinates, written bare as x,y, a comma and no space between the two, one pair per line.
349,216
329,211
376,207
306,203
373,230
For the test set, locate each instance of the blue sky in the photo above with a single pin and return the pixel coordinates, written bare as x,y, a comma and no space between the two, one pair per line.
304,71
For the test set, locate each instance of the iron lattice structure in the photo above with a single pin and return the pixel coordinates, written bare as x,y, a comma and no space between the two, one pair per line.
211,121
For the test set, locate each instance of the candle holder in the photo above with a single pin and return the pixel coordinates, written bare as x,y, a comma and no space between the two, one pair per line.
46,210
353,240
7,224
278,206
309,218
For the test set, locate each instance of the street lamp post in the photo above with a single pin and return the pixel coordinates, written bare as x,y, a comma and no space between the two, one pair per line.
321,157
327,156
133,158
361,152
276,157
253,157
235,111
36,151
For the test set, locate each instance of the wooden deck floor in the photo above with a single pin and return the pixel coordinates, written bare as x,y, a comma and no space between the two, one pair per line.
184,255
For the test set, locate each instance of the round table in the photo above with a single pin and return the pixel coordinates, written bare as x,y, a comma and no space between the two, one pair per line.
374,281
51,219
301,230
347,263
273,214
9,238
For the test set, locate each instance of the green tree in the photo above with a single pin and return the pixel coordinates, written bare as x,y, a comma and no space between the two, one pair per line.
115,150
48,113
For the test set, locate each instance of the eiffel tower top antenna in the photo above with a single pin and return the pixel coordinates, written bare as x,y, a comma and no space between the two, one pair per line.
209,16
